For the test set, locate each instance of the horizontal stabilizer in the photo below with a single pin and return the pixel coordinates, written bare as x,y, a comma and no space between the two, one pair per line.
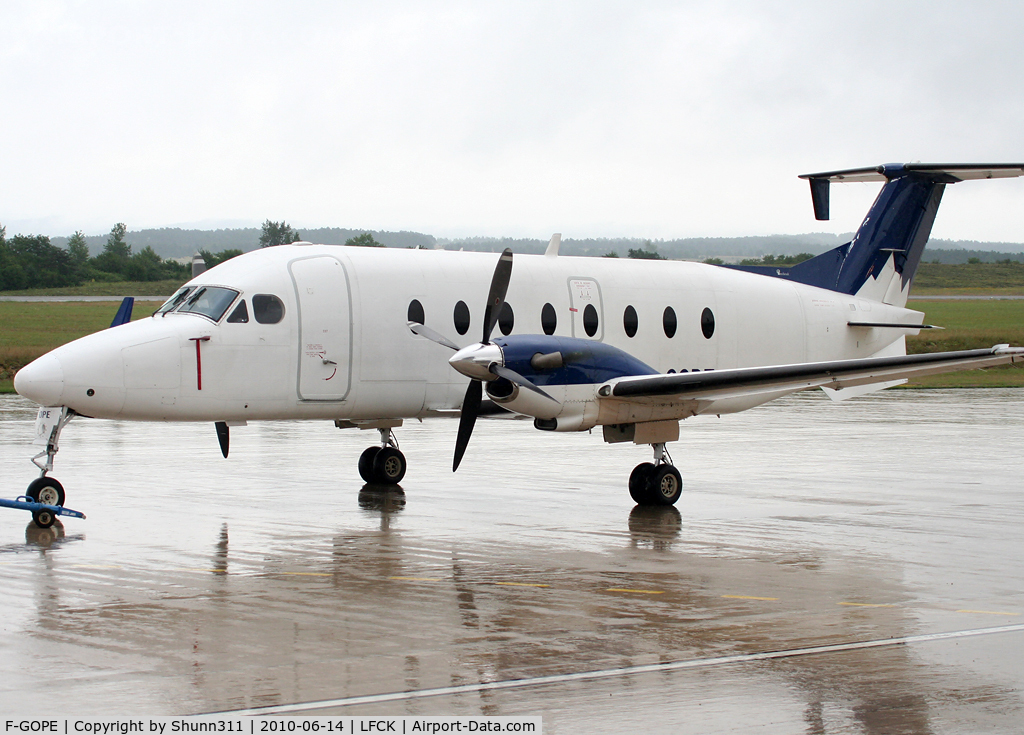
957,171
939,173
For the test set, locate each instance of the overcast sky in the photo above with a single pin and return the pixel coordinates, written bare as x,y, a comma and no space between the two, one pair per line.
644,119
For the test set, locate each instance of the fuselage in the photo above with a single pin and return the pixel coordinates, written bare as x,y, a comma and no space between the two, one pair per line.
325,331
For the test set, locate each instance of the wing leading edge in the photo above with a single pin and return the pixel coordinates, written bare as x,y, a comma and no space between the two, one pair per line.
780,379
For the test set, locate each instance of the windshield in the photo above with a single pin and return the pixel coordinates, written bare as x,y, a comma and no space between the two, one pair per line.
210,301
175,301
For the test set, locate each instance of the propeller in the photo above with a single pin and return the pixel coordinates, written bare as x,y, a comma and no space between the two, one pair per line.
425,331
481,361
474,392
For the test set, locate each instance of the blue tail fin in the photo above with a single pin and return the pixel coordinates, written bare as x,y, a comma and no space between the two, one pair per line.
124,312
881,260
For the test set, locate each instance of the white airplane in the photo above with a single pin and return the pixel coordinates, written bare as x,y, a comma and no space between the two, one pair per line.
360,336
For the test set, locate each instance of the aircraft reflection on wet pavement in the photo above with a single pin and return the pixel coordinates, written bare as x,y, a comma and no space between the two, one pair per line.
211,602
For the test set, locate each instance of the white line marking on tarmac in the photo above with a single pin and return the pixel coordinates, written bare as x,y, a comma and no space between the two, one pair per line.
700,663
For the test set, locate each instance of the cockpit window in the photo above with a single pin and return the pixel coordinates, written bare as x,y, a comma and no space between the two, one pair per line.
267,308
210,301
240,315
175,301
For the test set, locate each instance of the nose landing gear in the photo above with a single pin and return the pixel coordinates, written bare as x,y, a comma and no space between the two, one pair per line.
383,465
44,497
658,482
49,423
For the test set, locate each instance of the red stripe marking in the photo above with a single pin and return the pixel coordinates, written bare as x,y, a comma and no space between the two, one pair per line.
199,361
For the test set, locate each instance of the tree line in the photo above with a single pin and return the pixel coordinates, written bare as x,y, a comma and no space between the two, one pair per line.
32,261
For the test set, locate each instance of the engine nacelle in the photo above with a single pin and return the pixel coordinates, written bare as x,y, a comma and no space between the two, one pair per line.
568,369
574,408
521,400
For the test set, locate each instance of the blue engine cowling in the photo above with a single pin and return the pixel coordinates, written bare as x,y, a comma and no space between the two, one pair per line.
566,368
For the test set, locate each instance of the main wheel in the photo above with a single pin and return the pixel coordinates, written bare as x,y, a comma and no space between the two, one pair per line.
638,482
366,463
44,518
47,491
389,466
666,485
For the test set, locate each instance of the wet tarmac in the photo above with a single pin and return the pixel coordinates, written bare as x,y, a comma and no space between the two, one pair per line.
850,568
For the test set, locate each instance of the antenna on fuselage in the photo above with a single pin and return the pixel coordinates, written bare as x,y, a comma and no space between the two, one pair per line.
552,250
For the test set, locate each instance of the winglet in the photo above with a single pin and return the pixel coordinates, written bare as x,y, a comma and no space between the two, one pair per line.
552,250
124,312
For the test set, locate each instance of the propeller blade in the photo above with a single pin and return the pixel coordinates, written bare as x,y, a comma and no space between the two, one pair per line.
513,377
433,336
223,436
470,409
496,296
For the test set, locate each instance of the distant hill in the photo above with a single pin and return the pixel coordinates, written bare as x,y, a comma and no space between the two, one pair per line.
173,242
693,248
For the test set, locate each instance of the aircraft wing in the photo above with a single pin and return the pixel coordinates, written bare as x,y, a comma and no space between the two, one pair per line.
739,383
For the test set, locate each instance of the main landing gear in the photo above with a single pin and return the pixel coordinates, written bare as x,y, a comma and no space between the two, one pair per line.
383,465
658,482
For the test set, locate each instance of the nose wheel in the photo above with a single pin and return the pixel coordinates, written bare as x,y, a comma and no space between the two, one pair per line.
656,483
46,490
383,465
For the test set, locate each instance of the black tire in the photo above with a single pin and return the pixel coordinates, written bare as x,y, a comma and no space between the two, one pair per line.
44,518
389,466
639,479
47,491
366,463
666,485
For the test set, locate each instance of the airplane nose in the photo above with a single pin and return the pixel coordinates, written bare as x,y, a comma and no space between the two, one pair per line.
41,381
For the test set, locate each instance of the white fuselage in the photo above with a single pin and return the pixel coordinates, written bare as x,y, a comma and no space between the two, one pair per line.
343,349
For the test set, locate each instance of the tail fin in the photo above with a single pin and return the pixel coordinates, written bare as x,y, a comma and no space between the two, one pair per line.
124,312
881,260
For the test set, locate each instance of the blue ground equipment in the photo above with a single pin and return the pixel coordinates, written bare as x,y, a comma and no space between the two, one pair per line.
44,515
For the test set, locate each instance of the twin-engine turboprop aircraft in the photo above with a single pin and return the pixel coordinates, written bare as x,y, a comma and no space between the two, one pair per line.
360,336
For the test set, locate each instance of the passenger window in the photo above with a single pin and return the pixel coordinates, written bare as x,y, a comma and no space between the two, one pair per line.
548,319
668,321
506,319
415,312
590,320
267,308
461,317
240,315
629,321
707,323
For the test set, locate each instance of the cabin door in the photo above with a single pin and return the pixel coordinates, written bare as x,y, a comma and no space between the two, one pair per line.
325,328
586,308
